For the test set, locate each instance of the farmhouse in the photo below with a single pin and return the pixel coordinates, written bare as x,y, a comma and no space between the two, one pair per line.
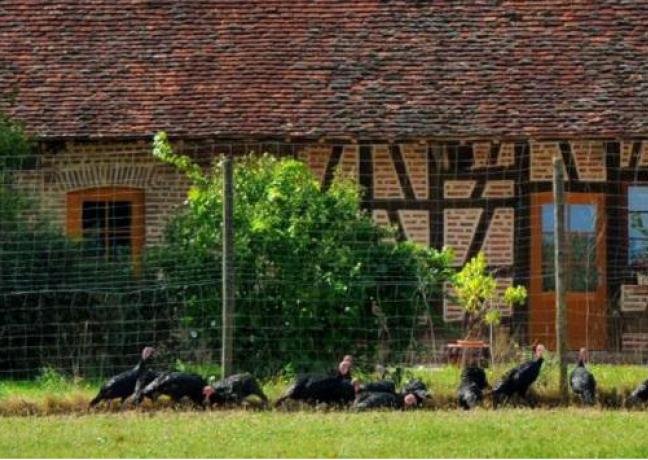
447,113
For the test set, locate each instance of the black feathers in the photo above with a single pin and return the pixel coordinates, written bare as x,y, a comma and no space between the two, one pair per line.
473,382
314,388
125,384
583,384
176,385
517,381
235,389
639,395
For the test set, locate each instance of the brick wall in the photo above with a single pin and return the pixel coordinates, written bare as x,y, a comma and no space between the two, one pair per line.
498,242
82,166
589,158
542,155
416,163
459,226
385,179
458,188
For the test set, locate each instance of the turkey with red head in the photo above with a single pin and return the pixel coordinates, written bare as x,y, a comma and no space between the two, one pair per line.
582,381
317,388
518,380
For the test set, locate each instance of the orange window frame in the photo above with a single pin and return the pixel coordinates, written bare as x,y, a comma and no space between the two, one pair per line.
135,196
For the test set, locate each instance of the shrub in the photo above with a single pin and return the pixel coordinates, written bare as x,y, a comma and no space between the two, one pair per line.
315,276
475,289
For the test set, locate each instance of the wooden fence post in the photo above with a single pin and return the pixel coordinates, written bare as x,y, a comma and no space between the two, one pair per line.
559,270
228,267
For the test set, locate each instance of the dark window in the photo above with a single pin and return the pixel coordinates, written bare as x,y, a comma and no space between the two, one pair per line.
106,227
638,225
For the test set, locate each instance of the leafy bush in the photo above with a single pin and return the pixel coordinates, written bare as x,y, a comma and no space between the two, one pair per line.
315,276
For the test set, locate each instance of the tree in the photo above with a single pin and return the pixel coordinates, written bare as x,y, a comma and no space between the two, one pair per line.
309,263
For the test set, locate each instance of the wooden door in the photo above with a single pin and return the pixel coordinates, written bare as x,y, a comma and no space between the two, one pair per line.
585,270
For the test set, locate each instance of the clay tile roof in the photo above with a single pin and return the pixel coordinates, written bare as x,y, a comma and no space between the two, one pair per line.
367,69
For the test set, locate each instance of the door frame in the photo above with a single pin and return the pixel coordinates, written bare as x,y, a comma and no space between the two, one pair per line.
544,298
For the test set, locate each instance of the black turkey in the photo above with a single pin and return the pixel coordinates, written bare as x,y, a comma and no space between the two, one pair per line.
471,388
382,395
639,395
417,388
582,381
314,388
233,390
382,386
329,389
176,385
384,400
518,380
125,384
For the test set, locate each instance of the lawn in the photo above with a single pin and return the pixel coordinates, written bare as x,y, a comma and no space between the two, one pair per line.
482,433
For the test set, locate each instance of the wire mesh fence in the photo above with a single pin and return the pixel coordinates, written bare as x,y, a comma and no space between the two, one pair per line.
105,249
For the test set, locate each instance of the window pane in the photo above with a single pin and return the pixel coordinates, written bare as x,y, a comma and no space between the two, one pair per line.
638,251
547,218
582,218
92,224
582,278
120,215
582,248
548,248
548,281
638,198
107,227
638,223
93,215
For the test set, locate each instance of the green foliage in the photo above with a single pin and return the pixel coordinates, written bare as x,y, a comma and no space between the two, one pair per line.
74,306
515,295
52,380
207,370
163,151
475,289
15,146
308,262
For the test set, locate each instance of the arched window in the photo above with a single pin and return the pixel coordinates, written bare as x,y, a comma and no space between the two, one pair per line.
110,217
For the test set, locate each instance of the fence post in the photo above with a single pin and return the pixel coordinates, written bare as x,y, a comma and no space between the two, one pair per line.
559,270
228,267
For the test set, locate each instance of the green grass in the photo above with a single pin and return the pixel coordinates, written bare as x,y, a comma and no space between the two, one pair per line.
507,433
